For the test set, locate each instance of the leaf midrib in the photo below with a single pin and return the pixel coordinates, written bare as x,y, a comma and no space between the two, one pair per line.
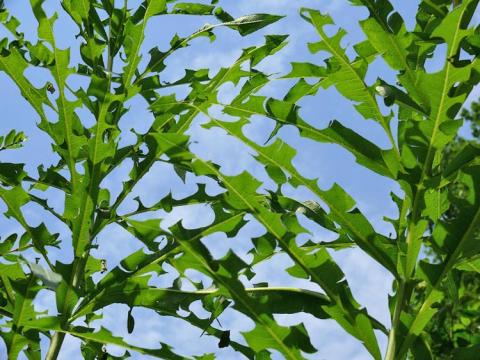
314,189
408,70
293,255
244,303
371,100
162,257
305,128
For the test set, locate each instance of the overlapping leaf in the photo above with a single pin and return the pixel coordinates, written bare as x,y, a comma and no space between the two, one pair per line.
438,207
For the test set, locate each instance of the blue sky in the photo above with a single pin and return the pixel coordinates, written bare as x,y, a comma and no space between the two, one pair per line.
369,282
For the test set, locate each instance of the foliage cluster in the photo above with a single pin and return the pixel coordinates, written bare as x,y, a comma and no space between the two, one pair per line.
438,207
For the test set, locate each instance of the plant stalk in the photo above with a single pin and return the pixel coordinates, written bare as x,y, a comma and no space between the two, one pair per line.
55,346
57,339
79,262
392,343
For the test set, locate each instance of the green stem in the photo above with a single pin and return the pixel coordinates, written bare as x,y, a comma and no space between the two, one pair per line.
430,299
58,337
55,345
392,336
79,263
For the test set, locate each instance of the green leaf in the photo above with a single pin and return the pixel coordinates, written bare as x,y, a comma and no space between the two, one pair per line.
459,240
343,73
102,336
267,334
241,195
341,205
387,33
438,205
470,265
135,35
12,140
23,312
250,23
193,9
14,65
286,113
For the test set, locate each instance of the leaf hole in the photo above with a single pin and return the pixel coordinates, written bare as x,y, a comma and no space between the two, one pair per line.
436,59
